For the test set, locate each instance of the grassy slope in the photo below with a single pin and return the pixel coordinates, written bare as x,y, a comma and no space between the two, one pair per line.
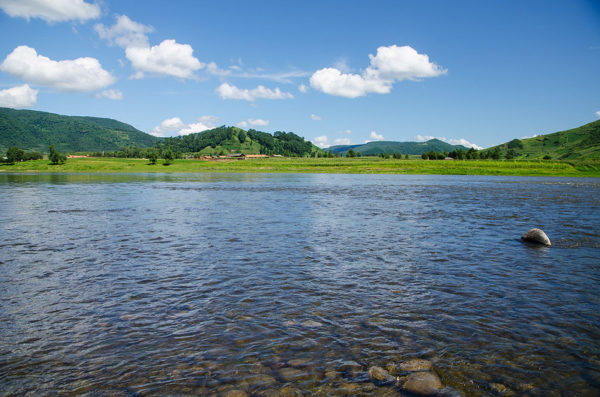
578,143
361,165
33,130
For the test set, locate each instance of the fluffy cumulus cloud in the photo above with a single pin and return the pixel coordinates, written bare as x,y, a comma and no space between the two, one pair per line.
51,10
323,141
115,95
316,117
598,113
227,91
253,123
169,58
174,126
76,75
390,65
376,137
19,97
451,141
303,88
125,32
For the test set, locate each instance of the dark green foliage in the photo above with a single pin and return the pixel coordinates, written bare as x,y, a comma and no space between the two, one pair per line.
55,157
32,156
510,154
515,144
169,156
33,130
14,155
350,153
232,138
547,157
152,156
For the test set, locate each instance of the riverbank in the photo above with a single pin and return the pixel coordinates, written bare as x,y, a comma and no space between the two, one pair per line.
363,165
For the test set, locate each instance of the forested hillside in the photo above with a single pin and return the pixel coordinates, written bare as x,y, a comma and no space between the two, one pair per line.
390,147
33,130
223,140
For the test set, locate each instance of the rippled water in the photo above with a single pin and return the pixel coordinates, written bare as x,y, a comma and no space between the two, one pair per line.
202,284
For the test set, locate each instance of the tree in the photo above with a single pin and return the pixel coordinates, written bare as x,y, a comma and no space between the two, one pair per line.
350,153
510,154
330,153
242,136
152,156
55,157
14,154
168,156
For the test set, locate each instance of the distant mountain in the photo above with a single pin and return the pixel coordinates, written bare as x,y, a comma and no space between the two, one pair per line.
33,130
414,148
226,140
578,143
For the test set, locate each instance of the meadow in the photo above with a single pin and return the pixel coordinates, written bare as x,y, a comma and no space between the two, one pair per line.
363,165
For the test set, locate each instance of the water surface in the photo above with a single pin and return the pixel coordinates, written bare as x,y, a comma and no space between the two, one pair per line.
200,284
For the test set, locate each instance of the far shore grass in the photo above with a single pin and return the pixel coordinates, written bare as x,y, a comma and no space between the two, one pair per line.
362,165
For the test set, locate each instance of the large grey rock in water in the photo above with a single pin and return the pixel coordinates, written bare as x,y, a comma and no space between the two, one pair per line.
537,236
423,384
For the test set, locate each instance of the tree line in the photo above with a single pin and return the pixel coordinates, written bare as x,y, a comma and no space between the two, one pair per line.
16,155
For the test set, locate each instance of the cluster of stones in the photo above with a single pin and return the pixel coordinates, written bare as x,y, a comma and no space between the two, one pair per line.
414,376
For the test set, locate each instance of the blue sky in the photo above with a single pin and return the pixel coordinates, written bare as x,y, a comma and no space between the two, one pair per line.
334,72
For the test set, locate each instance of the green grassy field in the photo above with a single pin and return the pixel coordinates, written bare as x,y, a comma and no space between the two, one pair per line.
363,165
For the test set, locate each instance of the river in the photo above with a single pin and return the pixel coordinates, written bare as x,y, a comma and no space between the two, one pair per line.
202,284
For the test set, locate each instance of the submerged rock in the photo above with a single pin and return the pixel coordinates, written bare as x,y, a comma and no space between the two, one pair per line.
423,383
537,236
380,375
415,364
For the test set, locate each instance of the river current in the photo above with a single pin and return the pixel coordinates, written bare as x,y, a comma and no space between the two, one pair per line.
267,284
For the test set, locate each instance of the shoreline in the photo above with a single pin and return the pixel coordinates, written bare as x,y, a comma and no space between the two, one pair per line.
363,165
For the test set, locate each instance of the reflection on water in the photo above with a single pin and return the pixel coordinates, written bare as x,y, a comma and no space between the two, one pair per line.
207,283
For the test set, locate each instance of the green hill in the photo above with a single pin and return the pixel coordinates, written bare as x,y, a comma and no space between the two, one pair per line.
414,148
33,130
224,140
578,143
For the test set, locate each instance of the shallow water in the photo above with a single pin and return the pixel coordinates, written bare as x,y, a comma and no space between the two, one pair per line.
200,284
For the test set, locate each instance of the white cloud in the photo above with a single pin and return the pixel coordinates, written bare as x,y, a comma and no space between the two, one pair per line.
51,10
212,68
227,91
303,88
125,32
79,75
169,58
19,97
174,126
282,77
342,141
253,123
598,113
168,127
115,95
451,141
348,132
321,141
315,117
391,64
376,137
